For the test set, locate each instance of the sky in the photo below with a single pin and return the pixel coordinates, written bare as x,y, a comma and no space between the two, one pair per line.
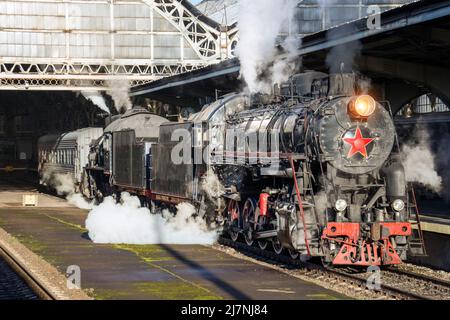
195,1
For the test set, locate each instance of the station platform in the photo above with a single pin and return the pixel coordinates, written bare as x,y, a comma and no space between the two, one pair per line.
434,224
56,233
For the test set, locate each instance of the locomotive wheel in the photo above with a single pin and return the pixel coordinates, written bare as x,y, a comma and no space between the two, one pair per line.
248,215
233,217
294,254
262,244
277,246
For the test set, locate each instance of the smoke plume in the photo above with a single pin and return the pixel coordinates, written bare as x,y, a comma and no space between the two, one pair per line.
128,222
78,201
118,90
260,25
63,184
96,99
212,186
419,162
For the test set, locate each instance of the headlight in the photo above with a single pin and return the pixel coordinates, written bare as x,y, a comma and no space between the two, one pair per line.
398,205
363,106
340,205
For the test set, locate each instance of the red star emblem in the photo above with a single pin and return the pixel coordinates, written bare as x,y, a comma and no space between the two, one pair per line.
358,143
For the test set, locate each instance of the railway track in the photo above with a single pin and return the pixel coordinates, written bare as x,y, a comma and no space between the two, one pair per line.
430,286
394,283
12,286
27,283
22,271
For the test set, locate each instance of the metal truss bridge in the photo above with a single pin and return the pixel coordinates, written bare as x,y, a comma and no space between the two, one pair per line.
85,44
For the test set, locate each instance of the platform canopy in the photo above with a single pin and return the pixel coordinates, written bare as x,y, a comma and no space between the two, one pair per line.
83,44
409,54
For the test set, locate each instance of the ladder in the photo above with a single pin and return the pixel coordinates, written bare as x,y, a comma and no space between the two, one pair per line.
308,222
416,244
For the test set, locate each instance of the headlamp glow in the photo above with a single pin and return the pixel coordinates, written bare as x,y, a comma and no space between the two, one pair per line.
363,106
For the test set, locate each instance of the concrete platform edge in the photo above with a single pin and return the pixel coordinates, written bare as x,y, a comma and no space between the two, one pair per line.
48,275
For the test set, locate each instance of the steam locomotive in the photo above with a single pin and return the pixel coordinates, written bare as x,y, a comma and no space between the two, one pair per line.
310,170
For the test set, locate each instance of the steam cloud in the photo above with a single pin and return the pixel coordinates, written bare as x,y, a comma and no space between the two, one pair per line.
96,99
64,185
259,27
77,200
127,222
212,186
419,162
118,90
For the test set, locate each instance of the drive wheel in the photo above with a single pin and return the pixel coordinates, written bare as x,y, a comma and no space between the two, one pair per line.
233,217
262,244
277,246
248,217
294,254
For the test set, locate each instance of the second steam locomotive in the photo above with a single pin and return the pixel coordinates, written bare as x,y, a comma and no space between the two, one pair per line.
313,170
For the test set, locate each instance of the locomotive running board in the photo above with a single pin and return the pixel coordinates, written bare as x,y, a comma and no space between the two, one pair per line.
266,234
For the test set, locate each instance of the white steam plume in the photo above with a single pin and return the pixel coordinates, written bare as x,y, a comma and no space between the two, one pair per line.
127,222
212,186
118,90
64,185
79,201
96,99
419,162
259,28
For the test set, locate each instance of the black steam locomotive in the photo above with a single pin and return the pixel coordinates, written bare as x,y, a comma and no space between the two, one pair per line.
310,170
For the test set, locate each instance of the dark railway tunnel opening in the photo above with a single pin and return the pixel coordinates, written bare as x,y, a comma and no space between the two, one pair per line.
27,115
